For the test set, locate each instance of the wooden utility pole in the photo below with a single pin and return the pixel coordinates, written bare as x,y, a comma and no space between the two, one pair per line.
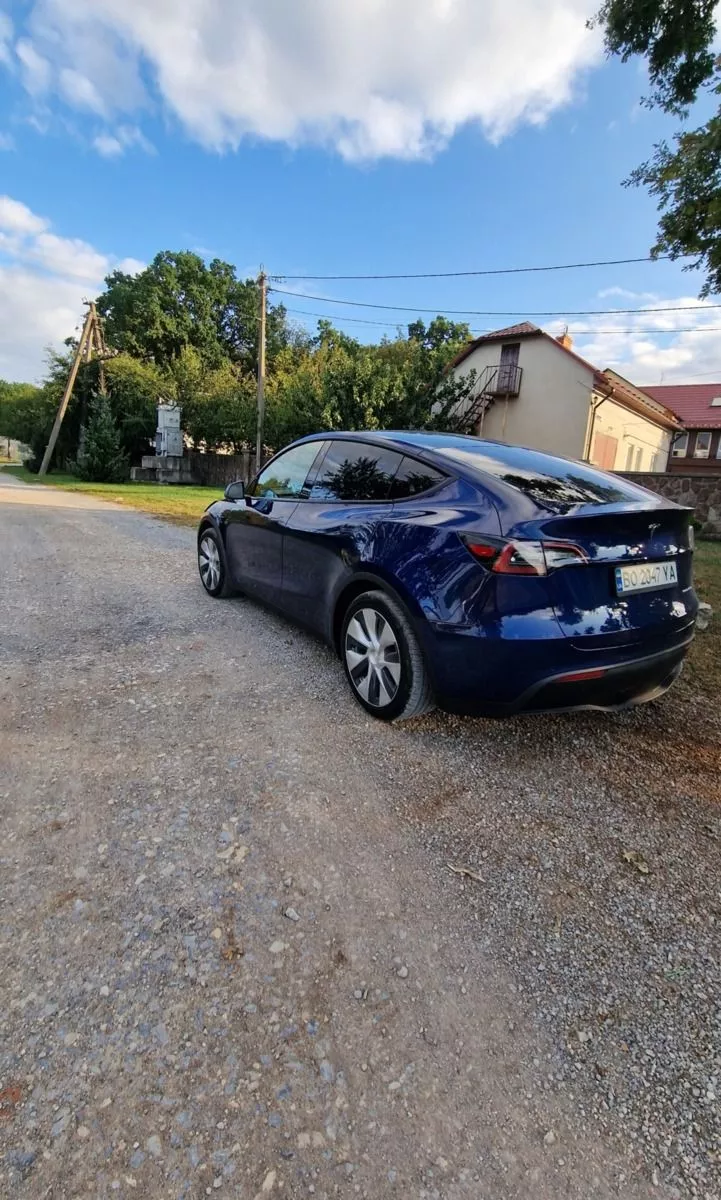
91,339
263,285
100,349
80,350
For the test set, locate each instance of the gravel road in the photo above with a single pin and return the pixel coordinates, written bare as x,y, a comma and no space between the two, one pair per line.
235,958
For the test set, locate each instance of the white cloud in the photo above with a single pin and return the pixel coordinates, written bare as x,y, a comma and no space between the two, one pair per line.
68,257
655,347
43,280
125,137
79,91
371,78
108,146
6,33
16,217
35,312
130,266
35,70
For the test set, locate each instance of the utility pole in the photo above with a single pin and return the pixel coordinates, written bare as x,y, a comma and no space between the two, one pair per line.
100,349
263,285
83,345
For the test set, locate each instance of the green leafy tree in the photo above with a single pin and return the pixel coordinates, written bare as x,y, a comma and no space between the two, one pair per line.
101,458
135,389
28,412
677,39
218,404
179,301
340,383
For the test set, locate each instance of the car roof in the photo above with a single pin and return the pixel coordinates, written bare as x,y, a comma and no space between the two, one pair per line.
504,468
422,440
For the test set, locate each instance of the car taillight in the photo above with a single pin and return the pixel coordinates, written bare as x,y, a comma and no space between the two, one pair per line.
524,557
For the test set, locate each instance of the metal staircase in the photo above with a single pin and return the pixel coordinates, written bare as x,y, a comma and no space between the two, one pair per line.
499,382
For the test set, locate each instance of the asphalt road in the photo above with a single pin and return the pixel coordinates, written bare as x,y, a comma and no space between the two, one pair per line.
235,959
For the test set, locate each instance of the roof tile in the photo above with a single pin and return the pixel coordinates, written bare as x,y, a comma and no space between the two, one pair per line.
691,402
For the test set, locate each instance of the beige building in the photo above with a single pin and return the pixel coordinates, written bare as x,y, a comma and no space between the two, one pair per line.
532,389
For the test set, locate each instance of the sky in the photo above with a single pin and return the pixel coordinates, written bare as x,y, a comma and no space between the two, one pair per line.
312,137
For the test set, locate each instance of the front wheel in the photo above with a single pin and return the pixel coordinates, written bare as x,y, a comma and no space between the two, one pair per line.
382,659
212,565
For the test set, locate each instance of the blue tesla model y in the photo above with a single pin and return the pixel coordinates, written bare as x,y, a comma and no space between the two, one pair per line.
481,577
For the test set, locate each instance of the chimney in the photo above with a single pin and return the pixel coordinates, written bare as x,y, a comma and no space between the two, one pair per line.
565,339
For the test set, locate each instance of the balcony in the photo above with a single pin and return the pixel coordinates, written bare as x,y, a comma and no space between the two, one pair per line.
503,380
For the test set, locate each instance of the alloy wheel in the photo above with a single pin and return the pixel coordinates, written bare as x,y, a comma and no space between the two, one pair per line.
209,563
373,657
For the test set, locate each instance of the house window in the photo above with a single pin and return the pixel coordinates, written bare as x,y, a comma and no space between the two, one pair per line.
716,402
629,459
703,444
718,447
639,459
680,446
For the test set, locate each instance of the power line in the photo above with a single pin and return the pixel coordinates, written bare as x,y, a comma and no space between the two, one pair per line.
479,332
605,262
475,312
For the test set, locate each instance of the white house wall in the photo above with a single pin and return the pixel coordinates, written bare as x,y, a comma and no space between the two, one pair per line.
551,411
642,445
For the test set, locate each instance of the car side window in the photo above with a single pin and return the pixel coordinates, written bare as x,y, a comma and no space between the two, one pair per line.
284,478
355,471
414,477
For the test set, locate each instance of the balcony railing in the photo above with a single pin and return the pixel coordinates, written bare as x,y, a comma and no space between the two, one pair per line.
499,382
506,380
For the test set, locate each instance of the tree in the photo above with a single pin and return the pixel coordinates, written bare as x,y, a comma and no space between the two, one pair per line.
135,389
676,37
28,412
339,383
101,458
178,302
218,404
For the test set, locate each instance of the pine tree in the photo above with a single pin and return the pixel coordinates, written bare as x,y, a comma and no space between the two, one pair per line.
101,458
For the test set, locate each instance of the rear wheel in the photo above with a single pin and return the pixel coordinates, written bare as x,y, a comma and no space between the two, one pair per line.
212,565
382,659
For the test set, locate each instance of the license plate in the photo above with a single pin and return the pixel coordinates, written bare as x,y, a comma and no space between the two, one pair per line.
645,577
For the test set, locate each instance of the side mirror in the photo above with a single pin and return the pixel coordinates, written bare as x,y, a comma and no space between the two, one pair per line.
235,491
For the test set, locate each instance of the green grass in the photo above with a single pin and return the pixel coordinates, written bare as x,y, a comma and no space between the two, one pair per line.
165,500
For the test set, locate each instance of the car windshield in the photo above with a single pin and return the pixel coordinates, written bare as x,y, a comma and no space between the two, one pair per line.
551,482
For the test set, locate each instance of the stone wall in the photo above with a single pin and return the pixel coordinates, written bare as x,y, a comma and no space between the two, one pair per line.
700,492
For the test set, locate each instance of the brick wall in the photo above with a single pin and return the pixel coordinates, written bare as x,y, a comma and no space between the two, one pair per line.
700,492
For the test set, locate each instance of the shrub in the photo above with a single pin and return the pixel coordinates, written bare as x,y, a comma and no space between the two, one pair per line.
101,458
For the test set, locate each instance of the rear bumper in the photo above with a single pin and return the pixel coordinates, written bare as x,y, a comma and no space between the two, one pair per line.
493,677
622,685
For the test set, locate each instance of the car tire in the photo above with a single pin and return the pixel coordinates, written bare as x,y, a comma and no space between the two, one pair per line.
383,660
212,564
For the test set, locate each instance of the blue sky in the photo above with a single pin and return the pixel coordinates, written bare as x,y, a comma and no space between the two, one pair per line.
298,137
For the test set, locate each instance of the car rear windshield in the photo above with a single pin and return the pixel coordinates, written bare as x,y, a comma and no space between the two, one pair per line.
551,482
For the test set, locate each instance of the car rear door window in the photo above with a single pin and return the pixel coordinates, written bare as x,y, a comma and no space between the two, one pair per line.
555,483
355,471
284,478
414,477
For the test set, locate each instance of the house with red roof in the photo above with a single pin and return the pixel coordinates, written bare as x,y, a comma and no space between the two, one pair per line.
697,449
532,389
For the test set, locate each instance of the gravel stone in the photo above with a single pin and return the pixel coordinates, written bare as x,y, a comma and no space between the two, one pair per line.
221,767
